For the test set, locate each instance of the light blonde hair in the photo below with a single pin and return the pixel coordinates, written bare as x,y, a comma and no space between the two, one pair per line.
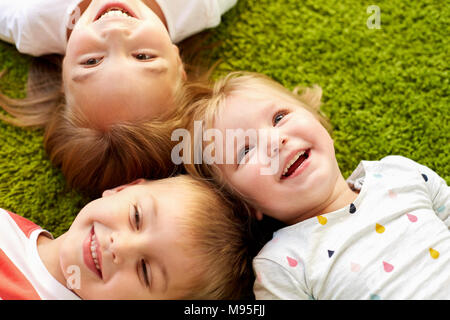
91,159
208,98
220,237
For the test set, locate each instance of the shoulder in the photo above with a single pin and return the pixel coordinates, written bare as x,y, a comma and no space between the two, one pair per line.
225,5
280,269
400,161
39,26
407,166
17,221
185,18
391,164
287,247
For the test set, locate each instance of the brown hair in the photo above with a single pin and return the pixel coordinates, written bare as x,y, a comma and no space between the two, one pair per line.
222,237
91,159
207,99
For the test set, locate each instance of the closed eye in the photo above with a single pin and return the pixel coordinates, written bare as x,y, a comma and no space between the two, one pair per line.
145,273
135,217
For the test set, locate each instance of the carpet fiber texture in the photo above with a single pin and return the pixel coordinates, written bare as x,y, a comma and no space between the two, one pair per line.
385,81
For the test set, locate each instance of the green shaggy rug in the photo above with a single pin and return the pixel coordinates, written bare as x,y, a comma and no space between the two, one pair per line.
385,79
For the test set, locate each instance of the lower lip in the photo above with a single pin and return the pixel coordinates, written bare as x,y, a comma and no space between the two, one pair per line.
119,5
300,168
87,256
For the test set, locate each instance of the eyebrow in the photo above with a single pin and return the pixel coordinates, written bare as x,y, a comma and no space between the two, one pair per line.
81,77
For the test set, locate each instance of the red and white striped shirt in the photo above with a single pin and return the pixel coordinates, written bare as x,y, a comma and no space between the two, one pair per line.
23,275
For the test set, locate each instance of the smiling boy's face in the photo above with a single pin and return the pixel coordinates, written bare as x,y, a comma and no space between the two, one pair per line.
129,244
120,63
306,169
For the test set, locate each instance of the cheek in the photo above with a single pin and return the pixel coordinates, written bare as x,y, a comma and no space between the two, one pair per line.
251,183
77,43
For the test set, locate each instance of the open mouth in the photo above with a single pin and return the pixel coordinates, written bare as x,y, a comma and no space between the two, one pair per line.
92,254
115,10
297,160
95,255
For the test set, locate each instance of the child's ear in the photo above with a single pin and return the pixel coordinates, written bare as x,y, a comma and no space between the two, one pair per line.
259,215
109,192
180,63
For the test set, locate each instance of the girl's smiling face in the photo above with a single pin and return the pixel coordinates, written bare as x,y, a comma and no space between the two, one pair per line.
129,245
120,66
306,169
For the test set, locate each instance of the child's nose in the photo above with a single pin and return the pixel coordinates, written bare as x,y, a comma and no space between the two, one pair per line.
275,143
124,246
115,32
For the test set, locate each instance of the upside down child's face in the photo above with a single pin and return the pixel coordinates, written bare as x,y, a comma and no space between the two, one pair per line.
305,170
120,66
129,244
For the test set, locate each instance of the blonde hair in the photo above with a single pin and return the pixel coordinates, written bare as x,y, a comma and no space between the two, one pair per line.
91,159
220,235
207,99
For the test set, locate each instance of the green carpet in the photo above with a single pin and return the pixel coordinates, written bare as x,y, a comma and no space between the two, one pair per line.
386,90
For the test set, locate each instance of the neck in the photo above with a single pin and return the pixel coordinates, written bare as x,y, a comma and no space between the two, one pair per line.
48,250
340,196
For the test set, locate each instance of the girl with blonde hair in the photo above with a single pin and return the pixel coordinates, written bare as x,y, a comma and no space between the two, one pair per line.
106,107
382,233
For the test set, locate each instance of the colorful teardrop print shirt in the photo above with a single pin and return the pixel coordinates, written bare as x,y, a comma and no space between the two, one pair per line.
392,242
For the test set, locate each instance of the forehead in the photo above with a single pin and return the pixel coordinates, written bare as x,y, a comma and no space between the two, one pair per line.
244,108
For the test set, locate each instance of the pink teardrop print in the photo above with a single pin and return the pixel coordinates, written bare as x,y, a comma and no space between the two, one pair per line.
387,266
292,262
411,217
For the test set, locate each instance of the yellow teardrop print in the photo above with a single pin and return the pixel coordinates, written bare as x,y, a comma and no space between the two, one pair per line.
434,253
322,220
379,228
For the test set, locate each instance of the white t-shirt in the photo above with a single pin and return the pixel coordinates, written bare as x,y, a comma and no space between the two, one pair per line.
39,27
392,242
23,274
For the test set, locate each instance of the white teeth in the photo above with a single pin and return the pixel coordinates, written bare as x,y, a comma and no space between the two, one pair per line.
94,252
290,163
115,13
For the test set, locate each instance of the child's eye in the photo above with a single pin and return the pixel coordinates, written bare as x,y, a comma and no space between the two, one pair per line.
145,274
243,153
136,216
143,56
92,61
278,117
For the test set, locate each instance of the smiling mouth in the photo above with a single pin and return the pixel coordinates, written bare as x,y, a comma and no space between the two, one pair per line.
95,256
92,254
294,163
115,10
